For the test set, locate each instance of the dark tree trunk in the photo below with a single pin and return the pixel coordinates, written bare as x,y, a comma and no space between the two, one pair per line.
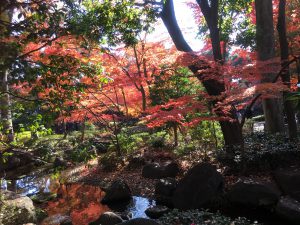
284,53
232,131
175,129
266,50
83,131
144,98
65,131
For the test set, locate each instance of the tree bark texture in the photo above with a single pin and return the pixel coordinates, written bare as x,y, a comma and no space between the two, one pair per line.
5,101
284,54
232,131
6,114
266,50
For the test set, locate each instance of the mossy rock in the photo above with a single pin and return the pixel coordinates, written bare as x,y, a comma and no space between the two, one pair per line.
16,209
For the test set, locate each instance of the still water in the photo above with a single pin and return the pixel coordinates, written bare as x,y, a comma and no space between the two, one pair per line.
79,201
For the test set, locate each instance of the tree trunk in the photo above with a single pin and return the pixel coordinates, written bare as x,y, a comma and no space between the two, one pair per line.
266,50
144,98
284,53
65,131
232,131
175,129
6,114
125,102
83,130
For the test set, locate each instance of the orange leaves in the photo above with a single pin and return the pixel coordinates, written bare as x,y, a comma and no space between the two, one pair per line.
175,111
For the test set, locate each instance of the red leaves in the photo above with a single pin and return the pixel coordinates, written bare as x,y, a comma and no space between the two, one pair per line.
175,111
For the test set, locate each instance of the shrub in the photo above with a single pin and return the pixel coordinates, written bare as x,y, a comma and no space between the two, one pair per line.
131,142
83,152
158,139
197,217
109,161
262,152
45,150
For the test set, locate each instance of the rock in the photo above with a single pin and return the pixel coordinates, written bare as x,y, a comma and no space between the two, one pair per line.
139,221
117,191
164,190
43,197
16,209
157,171
57,219
155,212
289,209
254,193
289,181
15,160
60,162
198,188
107,218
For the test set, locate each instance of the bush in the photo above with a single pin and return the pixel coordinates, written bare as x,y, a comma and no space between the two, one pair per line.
158,139
197,217
185,149
109,161
83,152
131,142
45,150
262,152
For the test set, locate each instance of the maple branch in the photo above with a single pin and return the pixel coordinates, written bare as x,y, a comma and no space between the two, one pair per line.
248,109
102,101
99,119
124,69
20,97
37,49
169,19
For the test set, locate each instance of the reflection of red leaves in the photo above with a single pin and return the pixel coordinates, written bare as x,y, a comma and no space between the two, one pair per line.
82,202
87,215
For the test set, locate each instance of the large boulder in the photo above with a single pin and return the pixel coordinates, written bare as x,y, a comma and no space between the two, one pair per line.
16,209
289,209
116,192
254,193
289,181
139,221
158,171
107,218
164,190
198,188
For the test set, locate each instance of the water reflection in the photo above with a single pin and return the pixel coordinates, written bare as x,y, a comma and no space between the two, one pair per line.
138,206
3,184
81,202
30,185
